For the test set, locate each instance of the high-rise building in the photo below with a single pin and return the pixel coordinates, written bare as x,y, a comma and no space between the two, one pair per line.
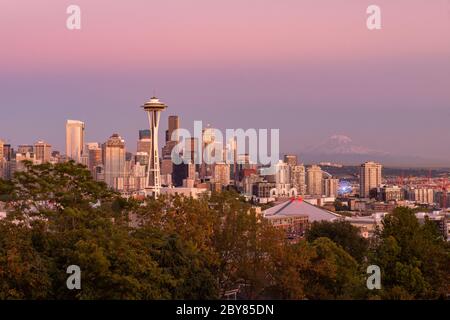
25,148
370,178
174,125
166,167
74,140
172,139
392,193
2,161
141,158
422,195
298,179
7,152
21,157
144,145
94,156
208,152
330,187
114,160
231,157
282,177
2,150
314,180
296,174
42,151
154,107
167,149
145,134
191,150
222,173
182,172
291,160
243,162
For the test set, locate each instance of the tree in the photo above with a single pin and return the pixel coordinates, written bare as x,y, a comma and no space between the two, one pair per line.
24,271
245,243
193,271
413,258
343,234
334,273
47,187
183,248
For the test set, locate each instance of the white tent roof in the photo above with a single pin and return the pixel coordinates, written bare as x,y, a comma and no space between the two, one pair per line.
298,207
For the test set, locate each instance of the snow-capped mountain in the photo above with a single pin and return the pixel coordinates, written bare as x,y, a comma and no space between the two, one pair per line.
341,149
341,145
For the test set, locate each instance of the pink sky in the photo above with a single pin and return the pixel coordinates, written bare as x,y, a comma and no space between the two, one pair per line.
231,63
197,33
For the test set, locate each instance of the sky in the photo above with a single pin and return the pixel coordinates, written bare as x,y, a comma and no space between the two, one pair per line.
310,68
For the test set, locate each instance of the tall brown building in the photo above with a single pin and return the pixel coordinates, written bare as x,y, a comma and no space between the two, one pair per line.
42,151
314,180
95,156
221,173
166,162
174,124
7,152
291,160
144,145
2,153
370,178
192,150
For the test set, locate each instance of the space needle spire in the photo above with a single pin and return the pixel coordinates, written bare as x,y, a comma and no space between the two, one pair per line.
153,182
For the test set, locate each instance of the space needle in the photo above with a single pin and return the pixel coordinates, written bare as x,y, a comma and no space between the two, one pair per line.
153,182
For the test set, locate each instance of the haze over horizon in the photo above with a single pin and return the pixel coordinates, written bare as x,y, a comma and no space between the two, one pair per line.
309,68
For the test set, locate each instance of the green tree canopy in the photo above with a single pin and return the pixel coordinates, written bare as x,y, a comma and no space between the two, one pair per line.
343,234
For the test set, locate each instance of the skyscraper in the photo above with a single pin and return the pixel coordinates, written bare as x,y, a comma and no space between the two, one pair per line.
2,155
114,160
145,134
298,179
330,187
153,109
291,160
94,156
282,175
25,148
144,145
174,124
7,152
222,173
192,150
42,151
208,152
74,140
314,180
370,178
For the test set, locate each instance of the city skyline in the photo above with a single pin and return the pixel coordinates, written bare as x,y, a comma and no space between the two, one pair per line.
335,149
238,152
296,66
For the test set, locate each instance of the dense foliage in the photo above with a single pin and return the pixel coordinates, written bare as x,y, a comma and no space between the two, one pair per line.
182,248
